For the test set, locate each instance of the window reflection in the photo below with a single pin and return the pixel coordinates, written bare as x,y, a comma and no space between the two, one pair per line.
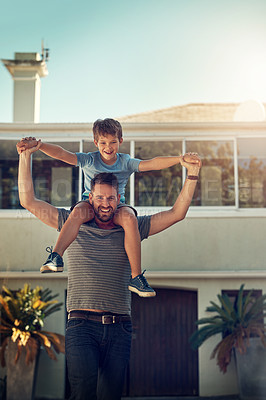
252,172
55,181
9,175
157,188
216,184
58,183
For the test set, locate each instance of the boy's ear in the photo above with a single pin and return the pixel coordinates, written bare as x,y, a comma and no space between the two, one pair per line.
95,142
121,140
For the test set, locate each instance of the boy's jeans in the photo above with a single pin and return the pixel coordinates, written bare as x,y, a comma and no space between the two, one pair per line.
97,356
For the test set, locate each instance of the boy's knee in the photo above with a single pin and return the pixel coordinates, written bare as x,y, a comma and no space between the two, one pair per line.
126,216
82,211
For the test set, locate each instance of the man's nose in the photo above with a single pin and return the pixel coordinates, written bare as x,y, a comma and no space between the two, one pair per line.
105,202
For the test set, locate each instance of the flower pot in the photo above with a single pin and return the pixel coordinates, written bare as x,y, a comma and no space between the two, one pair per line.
251,371
21,377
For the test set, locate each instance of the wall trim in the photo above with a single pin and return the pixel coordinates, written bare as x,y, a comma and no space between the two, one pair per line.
193,212
161,275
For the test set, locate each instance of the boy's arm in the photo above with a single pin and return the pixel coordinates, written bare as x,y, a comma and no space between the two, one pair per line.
165,219
42,210
158,163
55,151
52,150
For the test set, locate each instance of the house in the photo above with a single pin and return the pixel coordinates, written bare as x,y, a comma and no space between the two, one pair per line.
219,246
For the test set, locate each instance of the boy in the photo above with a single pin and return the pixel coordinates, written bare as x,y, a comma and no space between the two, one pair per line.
107,138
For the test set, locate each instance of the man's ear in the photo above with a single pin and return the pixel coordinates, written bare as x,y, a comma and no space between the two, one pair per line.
118,198
90,198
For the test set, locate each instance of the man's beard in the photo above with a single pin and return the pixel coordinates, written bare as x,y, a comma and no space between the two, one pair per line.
102,216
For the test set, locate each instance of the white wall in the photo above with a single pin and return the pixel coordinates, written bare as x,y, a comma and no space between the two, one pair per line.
206,254
196,244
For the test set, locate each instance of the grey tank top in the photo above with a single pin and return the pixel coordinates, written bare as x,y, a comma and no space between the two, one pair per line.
98,267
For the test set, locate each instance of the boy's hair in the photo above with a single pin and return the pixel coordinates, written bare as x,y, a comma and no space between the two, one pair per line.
105,178
107,126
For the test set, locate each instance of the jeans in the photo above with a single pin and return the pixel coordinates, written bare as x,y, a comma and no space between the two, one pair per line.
97,356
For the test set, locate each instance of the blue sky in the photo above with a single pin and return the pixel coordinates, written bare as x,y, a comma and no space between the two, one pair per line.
110,58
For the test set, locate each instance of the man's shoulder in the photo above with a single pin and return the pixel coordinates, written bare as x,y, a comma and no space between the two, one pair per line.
144,223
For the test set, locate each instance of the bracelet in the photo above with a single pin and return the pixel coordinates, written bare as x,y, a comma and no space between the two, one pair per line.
193,177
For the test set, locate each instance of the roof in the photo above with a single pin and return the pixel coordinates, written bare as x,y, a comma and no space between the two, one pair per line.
194,112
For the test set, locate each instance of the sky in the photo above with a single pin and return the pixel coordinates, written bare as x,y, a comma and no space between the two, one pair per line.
111,58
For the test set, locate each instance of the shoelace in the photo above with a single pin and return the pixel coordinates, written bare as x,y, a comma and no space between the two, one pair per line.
49,249
143,280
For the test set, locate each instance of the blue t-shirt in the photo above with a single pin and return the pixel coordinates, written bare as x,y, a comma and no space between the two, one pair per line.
92,164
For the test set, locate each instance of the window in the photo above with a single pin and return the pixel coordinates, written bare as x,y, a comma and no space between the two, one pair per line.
9,175
158,188
216,185
55,181
252,172
61,184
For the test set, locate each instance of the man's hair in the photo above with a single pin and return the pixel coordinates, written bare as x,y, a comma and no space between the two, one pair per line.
107,126
105,178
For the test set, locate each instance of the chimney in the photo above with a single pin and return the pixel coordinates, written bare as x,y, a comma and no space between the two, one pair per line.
27,69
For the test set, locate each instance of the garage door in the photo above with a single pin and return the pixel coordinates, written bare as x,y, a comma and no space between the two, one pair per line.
162,363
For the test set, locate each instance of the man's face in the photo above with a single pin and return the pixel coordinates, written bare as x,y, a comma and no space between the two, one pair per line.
104,200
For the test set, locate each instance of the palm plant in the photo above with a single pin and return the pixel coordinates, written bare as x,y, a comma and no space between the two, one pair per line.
22,318
237,322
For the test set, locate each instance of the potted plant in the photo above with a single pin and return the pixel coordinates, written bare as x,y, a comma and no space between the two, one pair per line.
21,326
241,324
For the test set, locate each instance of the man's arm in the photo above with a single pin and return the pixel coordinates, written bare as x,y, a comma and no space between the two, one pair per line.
51,150
42,210
158,163
165,219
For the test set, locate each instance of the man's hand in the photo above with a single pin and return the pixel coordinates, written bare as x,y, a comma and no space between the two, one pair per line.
191,158
193,167
28,143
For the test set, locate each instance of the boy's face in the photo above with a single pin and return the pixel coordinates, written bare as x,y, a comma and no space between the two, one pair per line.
108,147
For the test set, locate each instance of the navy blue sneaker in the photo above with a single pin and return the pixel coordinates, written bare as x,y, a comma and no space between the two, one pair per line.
54,262
140,286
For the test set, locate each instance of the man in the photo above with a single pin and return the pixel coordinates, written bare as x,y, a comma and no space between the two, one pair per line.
98,334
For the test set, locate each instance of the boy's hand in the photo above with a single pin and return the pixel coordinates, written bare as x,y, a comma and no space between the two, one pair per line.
191,158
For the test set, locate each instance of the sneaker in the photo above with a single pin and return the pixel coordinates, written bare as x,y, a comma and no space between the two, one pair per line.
140,286
54,262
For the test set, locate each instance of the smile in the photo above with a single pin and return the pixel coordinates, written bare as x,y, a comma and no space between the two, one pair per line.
105,210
